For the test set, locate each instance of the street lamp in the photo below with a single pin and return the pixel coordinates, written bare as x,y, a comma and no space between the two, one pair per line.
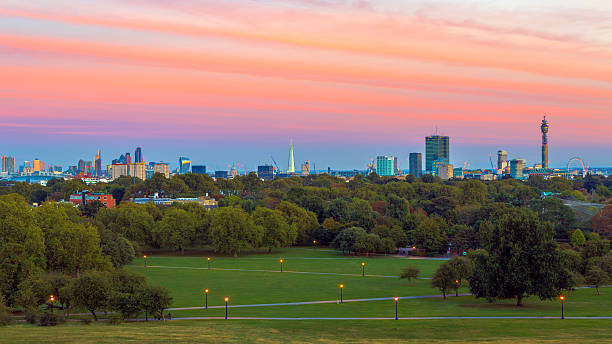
145,260
341,287
206,298
208,260
51,299
281,263
226,301
362,269
396,299
562,298
314,243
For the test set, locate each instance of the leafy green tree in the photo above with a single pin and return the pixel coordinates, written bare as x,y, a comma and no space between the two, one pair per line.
232,230
367,243
551,209
603,191
155,300
338,210
444,279
361,212
120,250
429,234
304,221
277,232
397,207
473,191
347,238
131,220
596,277
595,247
176,229
92,291
409,273
91,208
602,221
33,292
462,268
521,258
577,239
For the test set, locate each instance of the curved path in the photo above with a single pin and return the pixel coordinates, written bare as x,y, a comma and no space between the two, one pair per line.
402,318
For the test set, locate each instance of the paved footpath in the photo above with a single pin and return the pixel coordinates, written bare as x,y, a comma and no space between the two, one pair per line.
402,318
313,302
275,271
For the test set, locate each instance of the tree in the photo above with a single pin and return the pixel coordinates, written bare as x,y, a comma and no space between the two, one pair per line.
577,239
551,209
429,234
116,247
92,291
304,221
347,238
277,232
602,221
133,221
462,268
90,209
473,191
366,243
124,297
444,279
521,258
361,212
176,229
596,277
338,210
232,230
155,300
397,207
603,191
409,273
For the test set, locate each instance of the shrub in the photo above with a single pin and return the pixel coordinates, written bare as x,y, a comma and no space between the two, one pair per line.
409,272
115,319
86,320
51,319
31,316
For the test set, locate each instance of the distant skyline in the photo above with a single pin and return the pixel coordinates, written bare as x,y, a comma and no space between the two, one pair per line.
224,82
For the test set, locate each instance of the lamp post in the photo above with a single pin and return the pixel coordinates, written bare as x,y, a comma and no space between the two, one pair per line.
206,298
226,301
145,260
396,299
208,260
314,243
341,287
562,298
51,299
281,263
362,269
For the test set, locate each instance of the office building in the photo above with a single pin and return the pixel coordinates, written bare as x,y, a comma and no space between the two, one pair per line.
436,149
516,168
138,155
416,164
291,167
396,169
128,158
39,166
132,170
87,197
385,165
502,159
161,167
221,174
98,164
544,129
198,169
8,164
265,172
444,170
306,168
184,165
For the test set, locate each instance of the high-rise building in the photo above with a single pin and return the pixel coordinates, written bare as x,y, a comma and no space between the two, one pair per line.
128,158
291,167
443,170
502,159
98,164
161,167
8,164
133,170
544,129
138,155
306,168
516,168
416,164
38,165
265,172
198,169
221,174
184,165
384,165
436,149
81,165
396,169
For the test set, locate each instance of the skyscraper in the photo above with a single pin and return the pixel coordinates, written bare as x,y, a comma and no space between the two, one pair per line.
416,164
128,158
544,128
291,167
502,159
98,164
306,168
38,165
516,168
184,165
81,166
265,172
436,148
8,164
198,169
138,155
384,165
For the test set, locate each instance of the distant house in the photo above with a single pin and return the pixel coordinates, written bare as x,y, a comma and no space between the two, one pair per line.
88,197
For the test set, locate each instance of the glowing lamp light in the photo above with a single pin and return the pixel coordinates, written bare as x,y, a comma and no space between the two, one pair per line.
396,299
561,297
226,299
341,285
362,263
206,291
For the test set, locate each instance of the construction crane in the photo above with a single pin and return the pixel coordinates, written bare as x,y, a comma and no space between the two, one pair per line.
275,164
491,161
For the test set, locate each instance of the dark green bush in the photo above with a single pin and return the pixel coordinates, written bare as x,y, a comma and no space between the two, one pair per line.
51,319
115,319
31,316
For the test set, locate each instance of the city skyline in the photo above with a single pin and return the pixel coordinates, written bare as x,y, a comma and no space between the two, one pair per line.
175,80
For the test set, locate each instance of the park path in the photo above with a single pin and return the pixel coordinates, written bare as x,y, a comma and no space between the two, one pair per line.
276,271
313,302
392,318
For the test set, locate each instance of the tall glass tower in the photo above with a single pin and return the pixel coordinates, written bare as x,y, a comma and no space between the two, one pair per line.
291,167
544,128
416,164
138,155
436,149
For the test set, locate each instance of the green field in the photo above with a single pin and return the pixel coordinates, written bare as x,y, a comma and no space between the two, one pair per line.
187,276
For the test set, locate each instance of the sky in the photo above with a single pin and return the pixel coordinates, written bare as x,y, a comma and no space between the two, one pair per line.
233,81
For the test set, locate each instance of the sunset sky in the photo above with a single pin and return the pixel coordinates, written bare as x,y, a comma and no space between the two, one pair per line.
235,80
